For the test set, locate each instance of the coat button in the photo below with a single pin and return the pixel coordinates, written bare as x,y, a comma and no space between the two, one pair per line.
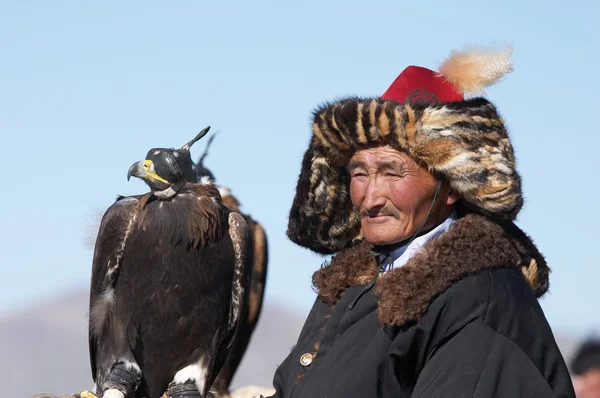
306,359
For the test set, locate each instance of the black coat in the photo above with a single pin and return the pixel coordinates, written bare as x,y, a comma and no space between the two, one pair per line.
436,327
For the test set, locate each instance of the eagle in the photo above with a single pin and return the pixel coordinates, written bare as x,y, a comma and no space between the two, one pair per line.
169,283
258,253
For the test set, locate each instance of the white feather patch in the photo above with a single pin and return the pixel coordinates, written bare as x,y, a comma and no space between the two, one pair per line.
472,70
224,191
101,309
166,194
131,366
205,180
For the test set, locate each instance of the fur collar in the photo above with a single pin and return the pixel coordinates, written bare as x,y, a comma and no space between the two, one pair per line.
473,243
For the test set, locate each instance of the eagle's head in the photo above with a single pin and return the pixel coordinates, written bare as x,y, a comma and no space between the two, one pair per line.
166,170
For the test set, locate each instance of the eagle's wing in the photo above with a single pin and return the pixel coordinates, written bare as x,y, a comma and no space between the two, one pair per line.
258,253
240,238
239,232
259,272
116,225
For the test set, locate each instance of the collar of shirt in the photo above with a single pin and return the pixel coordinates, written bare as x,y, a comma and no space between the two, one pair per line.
401,255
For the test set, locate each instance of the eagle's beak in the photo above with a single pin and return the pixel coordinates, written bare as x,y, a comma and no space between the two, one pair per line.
136,170
144,169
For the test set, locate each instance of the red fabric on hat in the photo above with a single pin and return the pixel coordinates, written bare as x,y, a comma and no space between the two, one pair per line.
418,84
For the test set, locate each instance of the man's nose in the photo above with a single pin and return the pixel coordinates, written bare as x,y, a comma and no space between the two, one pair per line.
374,198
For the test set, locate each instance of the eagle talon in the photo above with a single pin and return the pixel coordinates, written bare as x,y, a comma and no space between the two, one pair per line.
122,381
184,390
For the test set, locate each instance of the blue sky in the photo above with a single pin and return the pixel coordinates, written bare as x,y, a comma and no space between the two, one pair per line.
86,88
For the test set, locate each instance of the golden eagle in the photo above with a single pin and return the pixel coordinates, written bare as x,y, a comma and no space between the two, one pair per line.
168,286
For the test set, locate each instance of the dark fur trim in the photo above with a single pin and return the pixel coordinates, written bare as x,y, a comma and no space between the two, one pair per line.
350,267
472,244
465,142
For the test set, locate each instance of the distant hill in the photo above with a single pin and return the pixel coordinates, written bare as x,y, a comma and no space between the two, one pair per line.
45,348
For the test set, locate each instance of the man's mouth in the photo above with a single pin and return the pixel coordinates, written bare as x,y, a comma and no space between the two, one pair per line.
378,218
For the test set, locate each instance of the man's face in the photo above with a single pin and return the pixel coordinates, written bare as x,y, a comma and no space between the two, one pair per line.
393,195
588,384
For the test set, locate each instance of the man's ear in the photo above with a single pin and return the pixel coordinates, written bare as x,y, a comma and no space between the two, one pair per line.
453,197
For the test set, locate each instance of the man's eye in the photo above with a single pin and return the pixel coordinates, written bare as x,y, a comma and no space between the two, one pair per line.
358,174
390,174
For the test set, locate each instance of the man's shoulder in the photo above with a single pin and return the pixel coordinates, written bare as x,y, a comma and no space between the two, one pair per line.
501,299
509,282
500,302
485,290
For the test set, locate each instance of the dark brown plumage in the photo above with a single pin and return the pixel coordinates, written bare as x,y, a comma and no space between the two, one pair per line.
168,286
258,252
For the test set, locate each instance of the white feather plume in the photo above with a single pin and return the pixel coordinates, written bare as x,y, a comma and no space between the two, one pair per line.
470,71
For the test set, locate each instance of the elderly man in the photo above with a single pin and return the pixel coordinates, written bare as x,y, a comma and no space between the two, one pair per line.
432,290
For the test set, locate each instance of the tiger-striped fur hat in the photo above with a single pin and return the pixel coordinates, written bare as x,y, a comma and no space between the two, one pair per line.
426,115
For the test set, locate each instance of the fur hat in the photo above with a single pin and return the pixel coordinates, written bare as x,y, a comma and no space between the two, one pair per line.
425,114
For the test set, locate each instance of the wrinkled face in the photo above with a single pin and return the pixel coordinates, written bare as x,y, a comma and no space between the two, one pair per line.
393,194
